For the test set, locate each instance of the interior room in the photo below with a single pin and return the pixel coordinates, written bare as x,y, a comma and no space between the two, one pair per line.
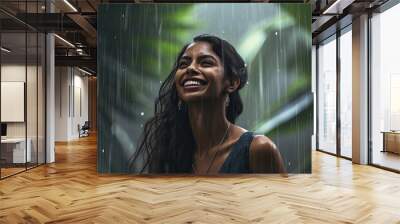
74,102
385,75
22,102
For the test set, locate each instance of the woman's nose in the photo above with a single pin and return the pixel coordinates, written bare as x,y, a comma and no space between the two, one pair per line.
192,70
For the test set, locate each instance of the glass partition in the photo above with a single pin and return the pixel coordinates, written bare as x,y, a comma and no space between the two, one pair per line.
14,154
385,89
22,88
31,99
327,96
346,92
41,91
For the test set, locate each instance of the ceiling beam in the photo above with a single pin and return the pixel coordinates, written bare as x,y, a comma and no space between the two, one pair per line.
49,22
83,61
337,7
86,26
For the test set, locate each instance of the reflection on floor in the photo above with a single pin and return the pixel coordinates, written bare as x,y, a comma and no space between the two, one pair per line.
387,159
10,169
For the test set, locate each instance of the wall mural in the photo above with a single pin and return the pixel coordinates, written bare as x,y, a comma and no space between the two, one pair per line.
179,85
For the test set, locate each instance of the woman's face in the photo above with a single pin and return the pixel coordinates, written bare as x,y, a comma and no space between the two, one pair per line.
200,74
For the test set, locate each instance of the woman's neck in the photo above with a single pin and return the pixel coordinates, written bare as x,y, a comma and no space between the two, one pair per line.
209,124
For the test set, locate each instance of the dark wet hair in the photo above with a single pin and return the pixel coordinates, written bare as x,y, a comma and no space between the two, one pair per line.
167,144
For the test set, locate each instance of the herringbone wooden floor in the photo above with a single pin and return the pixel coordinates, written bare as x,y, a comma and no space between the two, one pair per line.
71,191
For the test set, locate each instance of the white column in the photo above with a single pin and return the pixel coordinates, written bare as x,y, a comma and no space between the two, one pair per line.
62,103
360,90
50,93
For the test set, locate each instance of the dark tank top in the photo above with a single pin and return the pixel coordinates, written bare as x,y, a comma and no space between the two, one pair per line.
238,159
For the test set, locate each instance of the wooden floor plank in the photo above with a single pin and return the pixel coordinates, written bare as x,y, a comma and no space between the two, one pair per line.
71,191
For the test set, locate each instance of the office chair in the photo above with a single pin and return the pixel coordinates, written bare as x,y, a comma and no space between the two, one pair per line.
84,130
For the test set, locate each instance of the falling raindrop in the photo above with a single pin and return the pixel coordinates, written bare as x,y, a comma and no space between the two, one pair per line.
141,113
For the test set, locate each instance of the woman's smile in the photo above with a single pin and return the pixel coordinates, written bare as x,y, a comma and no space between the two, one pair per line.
192,84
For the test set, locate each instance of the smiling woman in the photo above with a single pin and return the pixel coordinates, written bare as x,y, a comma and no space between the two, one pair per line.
193,129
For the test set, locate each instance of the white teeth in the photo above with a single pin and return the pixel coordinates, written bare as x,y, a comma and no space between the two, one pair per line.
191,83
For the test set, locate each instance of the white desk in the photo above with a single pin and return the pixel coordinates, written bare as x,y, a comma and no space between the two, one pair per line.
18,149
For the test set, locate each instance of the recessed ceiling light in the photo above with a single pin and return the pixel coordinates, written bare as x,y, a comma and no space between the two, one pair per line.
5,50
70,5
65,41
84,71
337,7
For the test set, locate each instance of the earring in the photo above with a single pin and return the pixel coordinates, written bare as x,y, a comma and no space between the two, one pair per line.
180,104
227,101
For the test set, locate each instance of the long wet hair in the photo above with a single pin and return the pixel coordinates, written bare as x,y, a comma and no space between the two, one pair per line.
167,144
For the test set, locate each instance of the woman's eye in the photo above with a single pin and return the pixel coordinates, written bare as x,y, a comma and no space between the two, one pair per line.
207,63
182,64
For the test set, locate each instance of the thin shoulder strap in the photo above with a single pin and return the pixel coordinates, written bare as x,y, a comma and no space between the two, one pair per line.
238,159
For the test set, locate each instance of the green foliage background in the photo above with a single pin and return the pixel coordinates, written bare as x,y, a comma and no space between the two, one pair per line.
138,44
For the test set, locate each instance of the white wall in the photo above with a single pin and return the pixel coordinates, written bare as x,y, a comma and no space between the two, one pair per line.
61,103
13,101
71,94
16,72
13,72
80,110
9,73
33,126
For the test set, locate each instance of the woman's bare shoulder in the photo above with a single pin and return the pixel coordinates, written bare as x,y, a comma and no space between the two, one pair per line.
265,156
263,145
